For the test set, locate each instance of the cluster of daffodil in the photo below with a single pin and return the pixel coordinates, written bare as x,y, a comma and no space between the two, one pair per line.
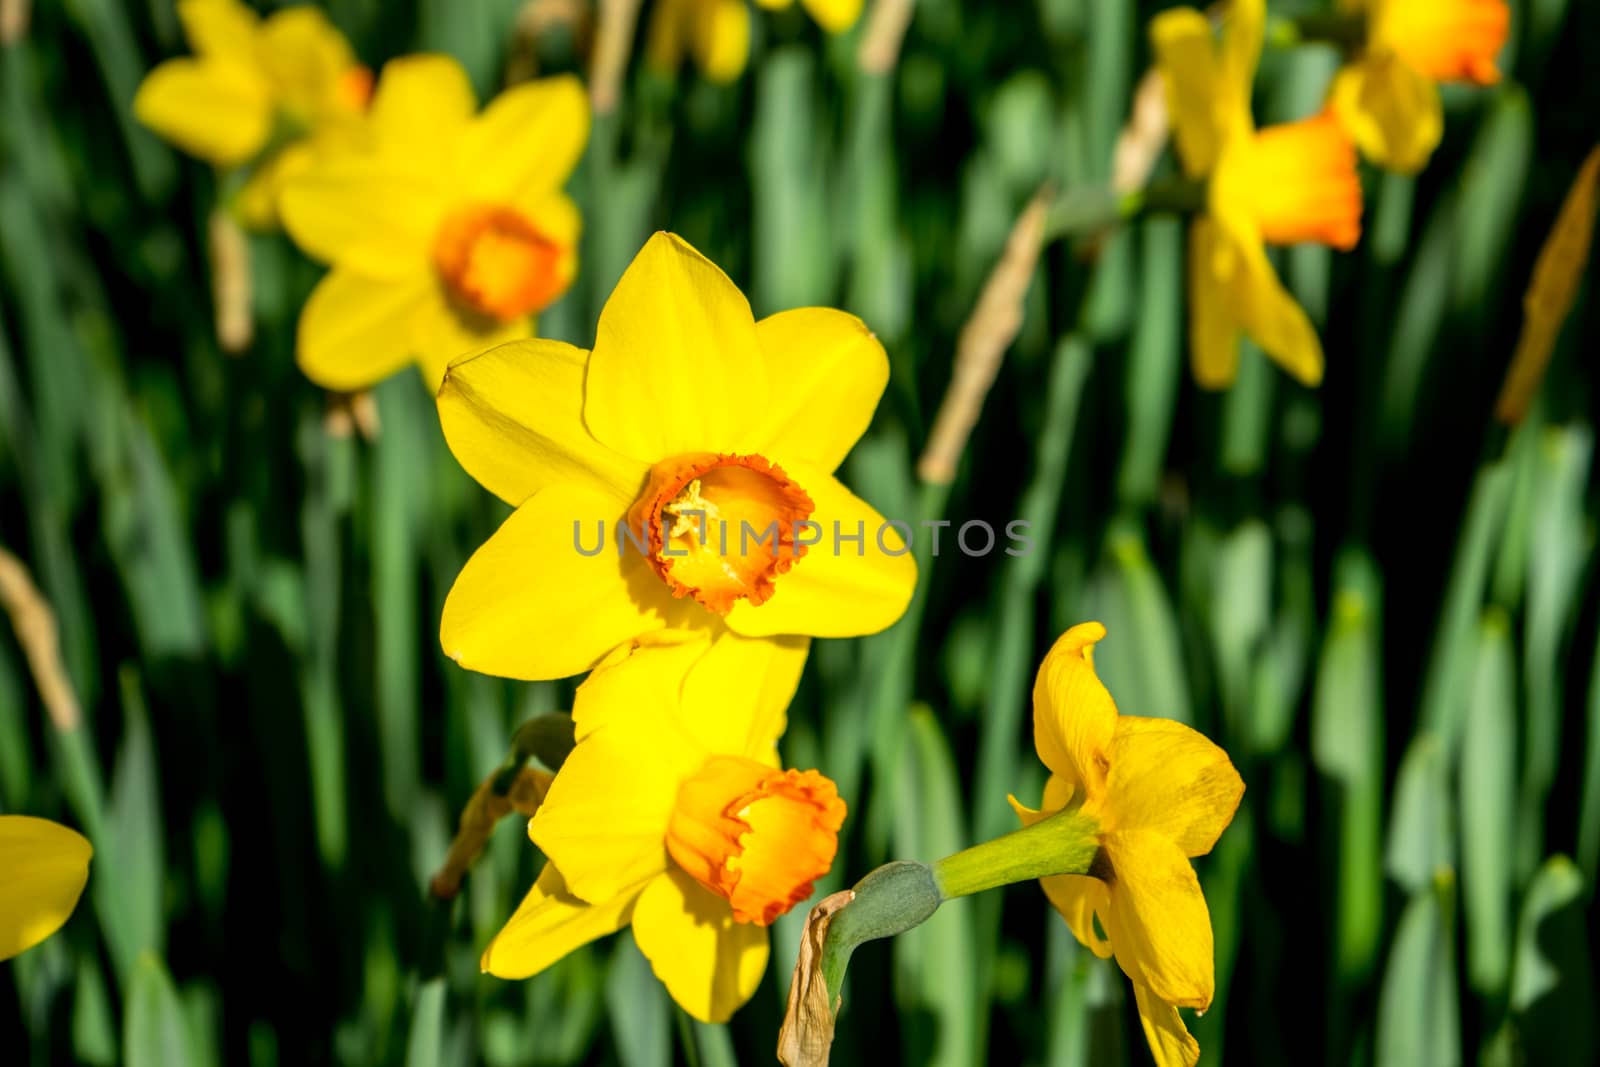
445,229
1297,181
717,32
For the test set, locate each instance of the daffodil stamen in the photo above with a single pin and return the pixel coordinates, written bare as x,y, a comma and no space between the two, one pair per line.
720,527
1303,184
755,835
496,263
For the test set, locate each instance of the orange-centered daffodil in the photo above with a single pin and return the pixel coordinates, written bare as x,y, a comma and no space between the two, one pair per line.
43,869
717,32
446,232
1161,793
272,94
1389,97
680,475
673,814
1280,185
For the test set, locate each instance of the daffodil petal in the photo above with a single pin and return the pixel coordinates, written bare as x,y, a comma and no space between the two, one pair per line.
1171,780
305,56
551,922
1158,922
1242,34
1074,718
720,34
1077,898
676,365
1186,55
1171,1044
734,697
832,371
530,605
1273,319
604,821
1391,111
834,16
442,333
219,28
710,964
422,103
46,866
355,331
528,138
1213,331
371,214
212,109
513,416
839,588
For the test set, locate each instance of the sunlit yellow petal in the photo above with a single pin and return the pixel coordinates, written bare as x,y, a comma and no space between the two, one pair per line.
1171,1044
1186,55
45,866
1170,779
513,416
1213,330
551,922
375,215
528,138
828,372
840,587
710,964
676,365
735,695
355,331
530,605
1243,30
441,333
1077,898
305,57
422,103
1391,111
719,33
604,821
1074,718
1158,922
217,111
834,16
219,28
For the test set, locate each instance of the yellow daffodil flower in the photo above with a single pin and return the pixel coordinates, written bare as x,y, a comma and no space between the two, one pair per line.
678,476
43,869
1280,185
273,93
1161,793
717,32
1389,98
445,232
673,814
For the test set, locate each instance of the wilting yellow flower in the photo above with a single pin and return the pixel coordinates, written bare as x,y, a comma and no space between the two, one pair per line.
274,93
1161,793
446,232
1389,98
1280,185
717,32
673,814
43,869
678,476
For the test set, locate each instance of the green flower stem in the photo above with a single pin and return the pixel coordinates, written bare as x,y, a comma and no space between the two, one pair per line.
1063,843
903,894
1345,30
549,737
1090,210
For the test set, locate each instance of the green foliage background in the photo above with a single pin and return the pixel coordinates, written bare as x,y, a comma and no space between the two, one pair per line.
1382,605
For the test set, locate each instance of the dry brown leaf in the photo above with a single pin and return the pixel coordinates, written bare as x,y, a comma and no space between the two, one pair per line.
881,40
988,332
35,624
807,1033
231,283
613,42
479,817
